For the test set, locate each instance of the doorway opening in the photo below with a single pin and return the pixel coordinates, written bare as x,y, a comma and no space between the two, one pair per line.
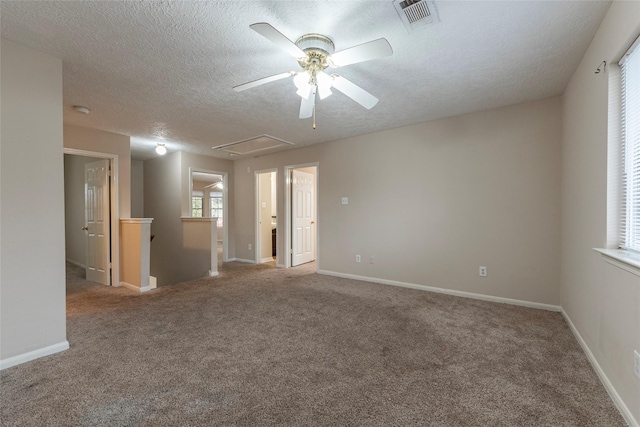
266,216
301,214
208,194
92,246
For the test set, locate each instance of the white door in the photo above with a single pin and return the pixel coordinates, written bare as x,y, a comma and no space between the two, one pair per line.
96,208
303,210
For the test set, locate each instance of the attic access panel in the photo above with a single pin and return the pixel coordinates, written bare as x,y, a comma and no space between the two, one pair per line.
253,145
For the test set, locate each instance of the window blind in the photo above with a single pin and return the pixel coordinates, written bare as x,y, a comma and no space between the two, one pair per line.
630,138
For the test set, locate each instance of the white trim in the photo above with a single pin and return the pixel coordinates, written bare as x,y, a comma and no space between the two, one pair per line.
212,273
136,220
629,51
115,208
246,261
617,400
76,263
280,266
197,219
136,288
490,298
287,211
32,355
625,260
269,259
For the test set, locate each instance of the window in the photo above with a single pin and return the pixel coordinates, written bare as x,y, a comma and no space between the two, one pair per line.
197,202
215,204
630,144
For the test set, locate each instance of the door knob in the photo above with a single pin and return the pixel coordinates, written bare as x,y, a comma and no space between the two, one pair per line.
313,222
85,228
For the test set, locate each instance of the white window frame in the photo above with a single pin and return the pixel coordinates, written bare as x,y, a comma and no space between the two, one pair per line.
197,194
629,226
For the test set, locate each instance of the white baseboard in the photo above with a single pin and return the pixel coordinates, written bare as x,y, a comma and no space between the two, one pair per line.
280,265
266,259
135,288
463,294
247,261
153,282
32,355
212,273
76,263
615,397
617,400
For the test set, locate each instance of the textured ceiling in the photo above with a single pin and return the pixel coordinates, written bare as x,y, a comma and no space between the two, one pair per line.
165,69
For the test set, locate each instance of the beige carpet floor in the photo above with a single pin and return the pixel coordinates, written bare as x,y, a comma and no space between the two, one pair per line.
261,346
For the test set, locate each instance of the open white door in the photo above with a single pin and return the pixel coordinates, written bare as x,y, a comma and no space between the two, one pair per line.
96,204
302,211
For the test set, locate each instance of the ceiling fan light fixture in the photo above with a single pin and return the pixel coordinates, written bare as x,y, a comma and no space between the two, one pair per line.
301,79
324,82
161,149
315,53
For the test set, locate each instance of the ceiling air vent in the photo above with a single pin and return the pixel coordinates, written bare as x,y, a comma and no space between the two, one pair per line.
416,13
253,145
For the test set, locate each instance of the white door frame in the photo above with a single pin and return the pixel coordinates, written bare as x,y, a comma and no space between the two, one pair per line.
287,211
114,232
225,207
257,243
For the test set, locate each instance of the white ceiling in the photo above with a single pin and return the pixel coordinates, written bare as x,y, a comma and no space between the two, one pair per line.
205,177
166,69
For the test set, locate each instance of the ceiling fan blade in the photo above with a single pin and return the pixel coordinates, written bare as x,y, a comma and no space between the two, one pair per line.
262,81
275,36
306,105
354,92
371,50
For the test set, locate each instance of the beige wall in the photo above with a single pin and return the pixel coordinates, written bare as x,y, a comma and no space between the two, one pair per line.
211,164
137,188
602,301
166,200
434,201
74,220
162,203
32,273
109,143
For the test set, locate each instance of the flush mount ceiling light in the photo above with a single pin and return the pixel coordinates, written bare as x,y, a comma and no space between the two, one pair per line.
161,149
315,53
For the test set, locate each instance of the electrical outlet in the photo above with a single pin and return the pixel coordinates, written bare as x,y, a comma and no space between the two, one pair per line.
370,259
358,259
483,271
636,363
249,246
345,200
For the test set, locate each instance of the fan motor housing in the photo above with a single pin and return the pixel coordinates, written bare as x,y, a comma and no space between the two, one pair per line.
317,47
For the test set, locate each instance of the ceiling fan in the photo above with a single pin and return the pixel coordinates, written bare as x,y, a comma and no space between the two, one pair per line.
214,185
315,53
